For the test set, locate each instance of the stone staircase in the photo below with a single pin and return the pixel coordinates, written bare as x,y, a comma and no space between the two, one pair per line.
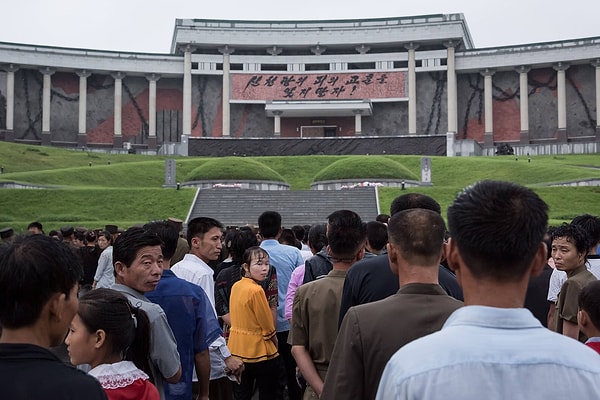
235,207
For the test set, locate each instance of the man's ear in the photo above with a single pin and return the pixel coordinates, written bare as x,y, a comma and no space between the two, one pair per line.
453,257
56,305
119,268
328,250
582,318
393,257
361,254
539,260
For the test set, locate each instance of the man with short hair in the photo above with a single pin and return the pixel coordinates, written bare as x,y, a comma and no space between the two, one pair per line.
371,333
35,228
493,348
137,257
39,279
317,304
285,259
190,316
372,279
205,238
377,238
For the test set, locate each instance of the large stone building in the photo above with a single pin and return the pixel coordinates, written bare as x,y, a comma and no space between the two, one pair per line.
396,85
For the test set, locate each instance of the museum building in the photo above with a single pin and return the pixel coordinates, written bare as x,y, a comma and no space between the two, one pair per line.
405,85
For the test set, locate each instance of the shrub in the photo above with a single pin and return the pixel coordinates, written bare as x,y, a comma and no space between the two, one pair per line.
360,167
233,168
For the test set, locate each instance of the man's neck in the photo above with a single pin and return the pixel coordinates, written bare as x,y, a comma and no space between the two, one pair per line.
418,274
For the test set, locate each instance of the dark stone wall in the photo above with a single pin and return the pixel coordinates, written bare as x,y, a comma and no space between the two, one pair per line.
542,97
220,147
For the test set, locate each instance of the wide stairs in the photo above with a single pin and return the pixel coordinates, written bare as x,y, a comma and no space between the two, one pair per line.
238,207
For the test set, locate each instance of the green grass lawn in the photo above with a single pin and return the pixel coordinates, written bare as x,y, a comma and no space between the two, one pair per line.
127,189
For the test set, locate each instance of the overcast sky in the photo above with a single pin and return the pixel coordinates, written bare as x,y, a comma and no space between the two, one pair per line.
147,25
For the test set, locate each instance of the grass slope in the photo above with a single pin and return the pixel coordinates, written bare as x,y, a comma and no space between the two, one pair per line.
128,189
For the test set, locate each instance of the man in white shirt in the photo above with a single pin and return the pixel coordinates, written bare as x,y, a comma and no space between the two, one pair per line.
493,348
205,237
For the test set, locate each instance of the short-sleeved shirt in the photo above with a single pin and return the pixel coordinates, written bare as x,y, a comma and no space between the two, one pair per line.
194,270
193,322
28,371
164,358
567,306
559,277
315,316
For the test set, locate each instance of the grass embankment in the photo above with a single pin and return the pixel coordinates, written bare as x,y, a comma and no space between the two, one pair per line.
127,189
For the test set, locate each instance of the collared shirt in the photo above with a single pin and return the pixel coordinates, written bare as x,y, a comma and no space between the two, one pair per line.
28,371
371,333
315,316
494,354
164,357
194,270
193,322
285,259
558,277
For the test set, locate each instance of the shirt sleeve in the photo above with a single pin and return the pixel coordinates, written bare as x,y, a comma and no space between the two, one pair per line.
295,281
570,290
299,329
556,281
102,264
344,378
163,346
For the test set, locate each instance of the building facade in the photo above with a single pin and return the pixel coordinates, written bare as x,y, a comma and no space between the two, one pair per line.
382,79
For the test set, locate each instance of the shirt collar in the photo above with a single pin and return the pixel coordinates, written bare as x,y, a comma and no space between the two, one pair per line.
493,317
422,288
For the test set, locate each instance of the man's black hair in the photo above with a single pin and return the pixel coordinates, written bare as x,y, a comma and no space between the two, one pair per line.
498,228
32,269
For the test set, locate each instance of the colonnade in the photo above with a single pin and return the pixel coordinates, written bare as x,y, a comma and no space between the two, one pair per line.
226,51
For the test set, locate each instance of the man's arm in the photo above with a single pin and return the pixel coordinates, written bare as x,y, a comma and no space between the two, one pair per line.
307,368
175,378
202,364
570,329
551,320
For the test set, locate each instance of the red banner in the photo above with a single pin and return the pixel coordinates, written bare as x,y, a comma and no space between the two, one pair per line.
343,86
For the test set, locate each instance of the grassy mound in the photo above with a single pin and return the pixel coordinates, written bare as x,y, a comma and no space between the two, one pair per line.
359,167
233,168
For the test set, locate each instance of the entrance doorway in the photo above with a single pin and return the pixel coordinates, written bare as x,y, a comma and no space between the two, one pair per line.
318,131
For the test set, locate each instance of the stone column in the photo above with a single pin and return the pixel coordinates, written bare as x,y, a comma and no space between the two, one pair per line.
82,129
187,91
596,64
118,136
357,122
452,95
277,123
412,89
10,69
561,101
524,103
226,51
46,95
152,79
488,138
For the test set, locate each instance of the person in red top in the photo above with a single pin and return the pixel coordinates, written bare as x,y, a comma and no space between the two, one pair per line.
588,317
114,339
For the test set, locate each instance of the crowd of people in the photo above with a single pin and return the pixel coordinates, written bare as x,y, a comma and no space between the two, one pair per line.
492,304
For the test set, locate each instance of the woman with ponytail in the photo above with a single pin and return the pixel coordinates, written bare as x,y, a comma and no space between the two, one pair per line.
114,339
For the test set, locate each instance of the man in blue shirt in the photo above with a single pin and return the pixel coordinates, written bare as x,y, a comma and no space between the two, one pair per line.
285,259
493,348
190,316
